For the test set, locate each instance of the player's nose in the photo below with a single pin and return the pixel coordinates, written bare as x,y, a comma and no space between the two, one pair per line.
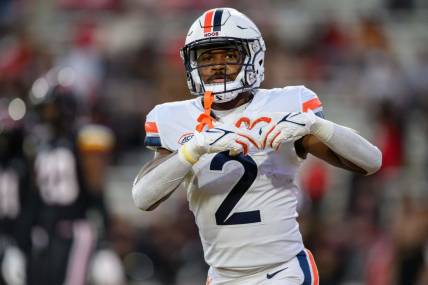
218,68
219,60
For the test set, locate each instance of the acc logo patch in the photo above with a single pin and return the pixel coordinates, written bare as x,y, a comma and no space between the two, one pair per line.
185,138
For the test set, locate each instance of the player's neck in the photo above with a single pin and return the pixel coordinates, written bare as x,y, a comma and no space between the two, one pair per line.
241,99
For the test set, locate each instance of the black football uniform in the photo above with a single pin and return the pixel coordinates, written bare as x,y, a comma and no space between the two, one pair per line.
62,236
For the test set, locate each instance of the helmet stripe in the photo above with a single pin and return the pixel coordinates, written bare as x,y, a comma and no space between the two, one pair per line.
208,21
217,19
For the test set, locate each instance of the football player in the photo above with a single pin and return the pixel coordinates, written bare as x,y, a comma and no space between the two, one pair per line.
15,193
69,167
236,149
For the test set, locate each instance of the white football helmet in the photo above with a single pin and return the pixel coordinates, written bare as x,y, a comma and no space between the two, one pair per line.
225,27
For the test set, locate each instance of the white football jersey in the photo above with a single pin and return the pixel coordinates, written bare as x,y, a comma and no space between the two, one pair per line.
244,206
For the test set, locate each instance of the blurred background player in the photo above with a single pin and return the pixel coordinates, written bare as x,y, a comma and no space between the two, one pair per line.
15,190
69,165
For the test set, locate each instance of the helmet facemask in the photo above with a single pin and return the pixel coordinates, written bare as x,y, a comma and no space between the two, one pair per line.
234,75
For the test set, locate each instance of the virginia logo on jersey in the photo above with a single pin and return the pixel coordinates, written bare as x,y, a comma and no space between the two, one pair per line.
185,138
250,124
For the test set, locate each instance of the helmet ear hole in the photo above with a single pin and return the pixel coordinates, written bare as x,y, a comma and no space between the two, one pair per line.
261,61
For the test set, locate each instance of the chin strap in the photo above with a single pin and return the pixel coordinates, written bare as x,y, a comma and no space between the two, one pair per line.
205,118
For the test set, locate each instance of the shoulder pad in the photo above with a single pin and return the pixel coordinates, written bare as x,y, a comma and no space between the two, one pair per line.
95,138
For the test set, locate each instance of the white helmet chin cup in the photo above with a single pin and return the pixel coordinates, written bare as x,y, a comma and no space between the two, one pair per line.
229,27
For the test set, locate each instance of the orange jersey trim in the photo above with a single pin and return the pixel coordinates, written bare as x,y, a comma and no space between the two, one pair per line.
311,104
314,268
151,127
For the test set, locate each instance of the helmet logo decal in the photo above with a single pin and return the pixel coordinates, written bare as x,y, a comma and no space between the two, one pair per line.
212,21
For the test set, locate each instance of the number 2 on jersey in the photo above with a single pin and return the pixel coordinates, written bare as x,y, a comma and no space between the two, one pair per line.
222,214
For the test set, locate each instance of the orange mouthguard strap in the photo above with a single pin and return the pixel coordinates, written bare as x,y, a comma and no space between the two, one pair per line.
205,118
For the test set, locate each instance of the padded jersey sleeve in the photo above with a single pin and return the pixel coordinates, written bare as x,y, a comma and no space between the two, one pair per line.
152,139
168,123
310,101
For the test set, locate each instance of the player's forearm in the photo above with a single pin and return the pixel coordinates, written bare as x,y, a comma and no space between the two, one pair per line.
159,179
348,144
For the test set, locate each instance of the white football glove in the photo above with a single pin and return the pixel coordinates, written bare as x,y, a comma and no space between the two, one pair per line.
218,139
290,128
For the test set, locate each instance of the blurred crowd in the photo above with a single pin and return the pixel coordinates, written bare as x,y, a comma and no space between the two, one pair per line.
77,78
